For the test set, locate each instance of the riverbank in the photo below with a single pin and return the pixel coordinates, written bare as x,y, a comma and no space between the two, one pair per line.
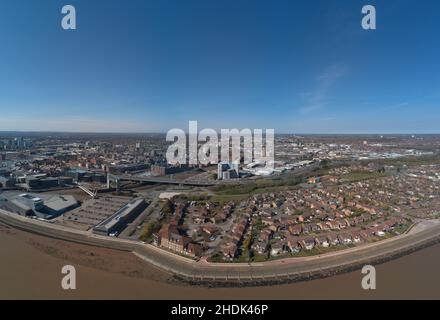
31,269
275,272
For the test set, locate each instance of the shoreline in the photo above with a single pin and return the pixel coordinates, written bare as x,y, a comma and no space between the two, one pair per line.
111,274
322,274
245,275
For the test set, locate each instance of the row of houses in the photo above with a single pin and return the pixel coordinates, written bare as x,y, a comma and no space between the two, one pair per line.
209,213
230,247
339,224
295,244
179,212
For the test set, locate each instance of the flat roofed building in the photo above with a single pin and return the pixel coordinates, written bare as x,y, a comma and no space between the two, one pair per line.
117,221
42,206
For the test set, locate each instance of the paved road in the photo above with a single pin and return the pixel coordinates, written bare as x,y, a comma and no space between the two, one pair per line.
167,180
267,272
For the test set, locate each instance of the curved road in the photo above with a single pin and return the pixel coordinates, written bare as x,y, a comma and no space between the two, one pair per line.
285,270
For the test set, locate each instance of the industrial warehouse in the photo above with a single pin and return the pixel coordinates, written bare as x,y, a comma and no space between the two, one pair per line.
41,205
107,215
115,223
103,215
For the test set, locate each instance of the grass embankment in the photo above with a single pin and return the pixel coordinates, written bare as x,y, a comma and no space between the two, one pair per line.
149,229
411,161
357,176
318,250
225,193
152,227
257,186
256,257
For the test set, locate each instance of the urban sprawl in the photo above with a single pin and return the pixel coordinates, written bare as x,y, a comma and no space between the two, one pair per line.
323,193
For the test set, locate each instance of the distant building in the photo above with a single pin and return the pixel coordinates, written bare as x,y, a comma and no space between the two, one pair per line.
65,181
6,182
93,177
76,174
228,170
158,170
123,168
41,182
5,172
35,183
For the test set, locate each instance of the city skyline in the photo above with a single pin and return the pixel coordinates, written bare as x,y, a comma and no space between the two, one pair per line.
150,66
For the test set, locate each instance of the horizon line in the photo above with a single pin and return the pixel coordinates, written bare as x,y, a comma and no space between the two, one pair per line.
163,132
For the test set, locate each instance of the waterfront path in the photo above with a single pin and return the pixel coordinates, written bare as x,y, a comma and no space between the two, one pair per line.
277,271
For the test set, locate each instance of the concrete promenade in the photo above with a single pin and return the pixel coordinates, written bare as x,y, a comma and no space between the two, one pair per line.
271,272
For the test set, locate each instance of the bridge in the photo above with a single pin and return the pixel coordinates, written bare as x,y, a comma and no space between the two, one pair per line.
86,190
167,180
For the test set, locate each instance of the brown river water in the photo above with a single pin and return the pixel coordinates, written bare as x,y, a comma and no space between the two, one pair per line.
30,268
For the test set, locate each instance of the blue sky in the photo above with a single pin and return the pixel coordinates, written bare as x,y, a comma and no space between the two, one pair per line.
296,66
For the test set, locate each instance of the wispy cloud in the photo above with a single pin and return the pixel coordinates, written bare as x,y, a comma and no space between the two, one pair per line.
317,98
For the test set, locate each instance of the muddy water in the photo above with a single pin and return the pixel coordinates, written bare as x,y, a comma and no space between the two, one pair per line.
30,268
